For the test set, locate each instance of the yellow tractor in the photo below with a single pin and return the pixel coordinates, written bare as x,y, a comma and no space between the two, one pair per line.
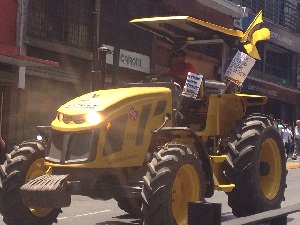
150,148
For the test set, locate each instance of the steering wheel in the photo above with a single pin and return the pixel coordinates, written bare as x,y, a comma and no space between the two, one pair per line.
157,78
160,78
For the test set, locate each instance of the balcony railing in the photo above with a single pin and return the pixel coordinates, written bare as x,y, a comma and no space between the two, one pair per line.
65,21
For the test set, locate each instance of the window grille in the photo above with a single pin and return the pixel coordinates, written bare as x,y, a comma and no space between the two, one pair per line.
277,62
282,12
65,21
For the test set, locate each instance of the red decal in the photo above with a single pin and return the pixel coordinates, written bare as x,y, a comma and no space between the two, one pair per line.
133,114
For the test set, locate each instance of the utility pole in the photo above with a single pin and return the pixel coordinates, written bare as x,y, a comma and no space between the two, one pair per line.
96,72
119,8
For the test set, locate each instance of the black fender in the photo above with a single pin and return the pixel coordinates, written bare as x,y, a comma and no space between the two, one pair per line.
167,134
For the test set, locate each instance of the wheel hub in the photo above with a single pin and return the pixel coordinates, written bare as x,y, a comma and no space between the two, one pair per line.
264,168
186,188
270,168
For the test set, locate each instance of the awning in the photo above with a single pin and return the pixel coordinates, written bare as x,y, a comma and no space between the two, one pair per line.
10,55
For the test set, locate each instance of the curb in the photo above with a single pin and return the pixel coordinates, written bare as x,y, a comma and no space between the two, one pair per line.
292,165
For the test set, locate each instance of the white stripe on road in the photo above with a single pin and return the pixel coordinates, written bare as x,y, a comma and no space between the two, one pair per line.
86,214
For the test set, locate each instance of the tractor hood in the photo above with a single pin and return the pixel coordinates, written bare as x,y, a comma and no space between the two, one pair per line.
72,115
100,100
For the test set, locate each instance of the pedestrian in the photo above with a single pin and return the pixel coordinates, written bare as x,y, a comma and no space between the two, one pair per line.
279,125
2,150
291,148
286,134
2,143
296,140
179,70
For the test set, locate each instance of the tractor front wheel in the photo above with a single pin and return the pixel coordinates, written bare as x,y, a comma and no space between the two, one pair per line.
23,164
174,178
130,205
256,165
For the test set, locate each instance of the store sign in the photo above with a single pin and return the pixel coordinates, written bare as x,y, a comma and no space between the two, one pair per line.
283,38
262,90
130,60
253,86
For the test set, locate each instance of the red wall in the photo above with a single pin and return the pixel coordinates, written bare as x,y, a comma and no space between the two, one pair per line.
8,17
199,11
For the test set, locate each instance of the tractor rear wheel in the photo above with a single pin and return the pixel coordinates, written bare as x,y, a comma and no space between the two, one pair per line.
174,178
256,165
24,163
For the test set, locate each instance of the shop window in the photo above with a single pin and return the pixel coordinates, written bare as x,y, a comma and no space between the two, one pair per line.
278,63
6,67
65,21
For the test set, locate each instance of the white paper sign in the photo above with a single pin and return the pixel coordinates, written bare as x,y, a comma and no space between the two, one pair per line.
192,85
239,68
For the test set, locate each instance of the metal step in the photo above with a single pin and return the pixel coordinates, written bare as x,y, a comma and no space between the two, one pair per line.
225,187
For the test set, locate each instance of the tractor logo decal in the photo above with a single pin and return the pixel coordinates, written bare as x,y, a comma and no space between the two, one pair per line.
89,103
133,114
82,106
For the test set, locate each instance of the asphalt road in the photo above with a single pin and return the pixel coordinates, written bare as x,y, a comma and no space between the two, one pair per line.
85,211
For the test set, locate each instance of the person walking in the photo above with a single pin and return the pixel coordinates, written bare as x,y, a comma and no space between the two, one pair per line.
286,134
279,125
2,143
296,140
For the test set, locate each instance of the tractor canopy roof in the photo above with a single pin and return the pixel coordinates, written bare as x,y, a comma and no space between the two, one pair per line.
183,30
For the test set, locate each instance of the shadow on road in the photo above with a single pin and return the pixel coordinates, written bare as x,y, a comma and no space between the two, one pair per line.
125,219
227,216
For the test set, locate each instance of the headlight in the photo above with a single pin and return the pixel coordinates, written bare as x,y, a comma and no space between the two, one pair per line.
64,118
93,118
60,116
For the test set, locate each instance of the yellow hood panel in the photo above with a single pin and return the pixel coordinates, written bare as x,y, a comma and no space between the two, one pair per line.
102,99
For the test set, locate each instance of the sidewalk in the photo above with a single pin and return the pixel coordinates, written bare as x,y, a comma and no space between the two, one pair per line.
293,164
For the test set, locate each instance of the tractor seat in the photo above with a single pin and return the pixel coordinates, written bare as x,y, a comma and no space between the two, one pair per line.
214,87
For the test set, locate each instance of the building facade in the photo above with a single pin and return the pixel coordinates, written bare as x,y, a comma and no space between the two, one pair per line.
13,64
277,74
58,43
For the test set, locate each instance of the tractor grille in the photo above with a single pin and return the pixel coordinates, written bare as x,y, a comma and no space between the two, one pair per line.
72,147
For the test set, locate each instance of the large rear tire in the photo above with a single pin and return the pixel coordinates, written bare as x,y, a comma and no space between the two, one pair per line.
256,165
173,179
24,163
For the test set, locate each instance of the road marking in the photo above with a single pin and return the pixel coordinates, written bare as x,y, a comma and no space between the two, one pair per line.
86,214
